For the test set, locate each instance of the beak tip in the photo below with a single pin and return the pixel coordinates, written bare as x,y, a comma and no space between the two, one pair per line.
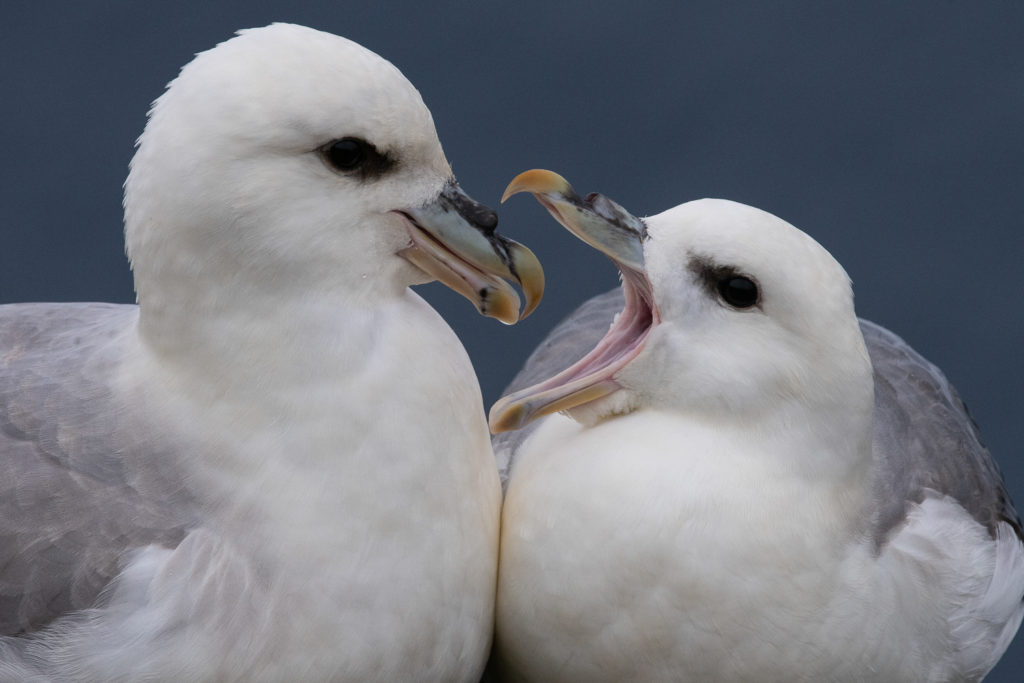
537,181
531,305
504,417
529,273
503,306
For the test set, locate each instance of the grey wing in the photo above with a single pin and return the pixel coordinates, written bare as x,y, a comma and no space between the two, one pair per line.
75,489
569,341
924,438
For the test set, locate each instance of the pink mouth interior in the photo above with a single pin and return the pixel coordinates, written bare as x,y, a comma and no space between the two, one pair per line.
623,341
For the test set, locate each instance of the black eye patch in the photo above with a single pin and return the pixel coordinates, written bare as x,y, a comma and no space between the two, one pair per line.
355,156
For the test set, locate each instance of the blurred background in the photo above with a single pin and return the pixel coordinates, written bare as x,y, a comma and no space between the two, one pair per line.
893,133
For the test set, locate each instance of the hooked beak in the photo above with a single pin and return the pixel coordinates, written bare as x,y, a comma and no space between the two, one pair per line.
609,228
596,220
453,240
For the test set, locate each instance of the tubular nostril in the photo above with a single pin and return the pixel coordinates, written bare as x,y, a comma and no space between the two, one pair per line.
473,212
487,219
483,218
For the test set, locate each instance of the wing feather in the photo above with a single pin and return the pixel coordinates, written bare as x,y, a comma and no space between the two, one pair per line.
77,487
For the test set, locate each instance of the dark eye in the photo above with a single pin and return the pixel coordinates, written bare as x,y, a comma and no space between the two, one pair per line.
357,157
347,154
738,291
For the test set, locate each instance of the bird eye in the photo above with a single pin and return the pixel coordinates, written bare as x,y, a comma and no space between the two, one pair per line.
347,154
738,291
355,156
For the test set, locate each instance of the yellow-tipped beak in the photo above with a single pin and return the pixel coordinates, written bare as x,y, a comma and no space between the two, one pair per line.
453,240
595,219
537,181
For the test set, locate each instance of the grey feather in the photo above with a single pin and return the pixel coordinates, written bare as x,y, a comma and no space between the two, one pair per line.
924,438
79,485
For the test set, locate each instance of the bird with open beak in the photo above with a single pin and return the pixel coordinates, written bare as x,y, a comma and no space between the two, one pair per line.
747,483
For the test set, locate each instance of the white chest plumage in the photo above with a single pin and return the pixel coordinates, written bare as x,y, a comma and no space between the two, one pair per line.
625,558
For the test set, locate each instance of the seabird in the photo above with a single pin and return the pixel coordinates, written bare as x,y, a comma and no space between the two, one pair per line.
276,466
741,481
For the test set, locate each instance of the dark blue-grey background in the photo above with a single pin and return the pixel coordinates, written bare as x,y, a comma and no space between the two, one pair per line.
891,132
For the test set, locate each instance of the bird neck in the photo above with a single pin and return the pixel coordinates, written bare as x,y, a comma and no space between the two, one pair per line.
264,333
301,384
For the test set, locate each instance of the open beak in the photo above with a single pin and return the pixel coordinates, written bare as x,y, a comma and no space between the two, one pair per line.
608,227
453,240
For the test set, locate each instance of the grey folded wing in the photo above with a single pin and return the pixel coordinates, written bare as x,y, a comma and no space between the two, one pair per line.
924,438
79,485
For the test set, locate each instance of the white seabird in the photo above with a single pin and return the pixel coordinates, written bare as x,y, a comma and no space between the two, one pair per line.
748,484
275,467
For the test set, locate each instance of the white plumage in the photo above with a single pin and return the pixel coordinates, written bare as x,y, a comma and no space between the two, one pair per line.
742,489
276,467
